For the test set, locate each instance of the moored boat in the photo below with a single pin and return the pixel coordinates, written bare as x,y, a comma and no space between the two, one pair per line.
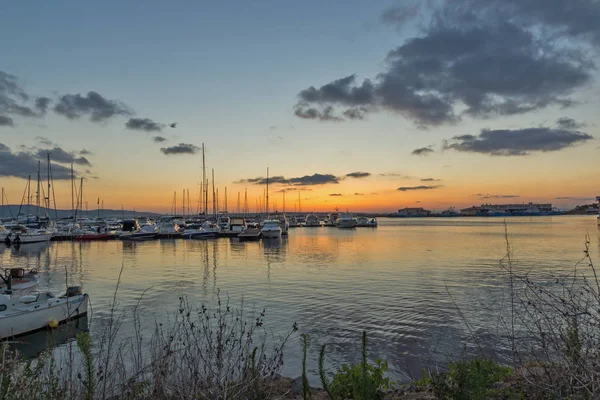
37,311
21,235
207,230
271,228
312,221
131,230
346,221
17,282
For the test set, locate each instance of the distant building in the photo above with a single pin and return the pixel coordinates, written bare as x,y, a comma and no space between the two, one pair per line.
471,211
519,209
414,212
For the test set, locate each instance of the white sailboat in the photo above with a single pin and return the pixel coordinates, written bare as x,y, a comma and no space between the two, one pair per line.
38,310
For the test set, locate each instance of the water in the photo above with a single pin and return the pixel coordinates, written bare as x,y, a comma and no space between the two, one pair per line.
400,282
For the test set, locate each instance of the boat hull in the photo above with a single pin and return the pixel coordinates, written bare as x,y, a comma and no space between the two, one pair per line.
99,236
271,234
199,235
23,239
139,236
59,309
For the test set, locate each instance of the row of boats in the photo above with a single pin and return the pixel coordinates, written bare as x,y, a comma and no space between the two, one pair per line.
200,227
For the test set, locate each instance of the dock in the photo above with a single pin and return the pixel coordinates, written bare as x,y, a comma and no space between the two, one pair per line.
250,234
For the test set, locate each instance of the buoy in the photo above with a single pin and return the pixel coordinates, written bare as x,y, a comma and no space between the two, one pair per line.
53,323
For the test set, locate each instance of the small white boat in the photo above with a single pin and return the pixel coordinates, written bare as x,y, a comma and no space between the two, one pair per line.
21,235
283,222
38,310
293,222
312,221
271,228
346,221
207,230
224,222
331,218
15,282
372,223
366,222
132,231
237,225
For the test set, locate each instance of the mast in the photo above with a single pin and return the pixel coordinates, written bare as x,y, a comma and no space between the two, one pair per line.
72,193
3,202
81,196
299,205
37,193
267,196
225,198
213,190
284,201
183,203
204,183
245,201
29,194
217,200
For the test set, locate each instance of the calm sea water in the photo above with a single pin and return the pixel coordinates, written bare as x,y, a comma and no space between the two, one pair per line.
400,282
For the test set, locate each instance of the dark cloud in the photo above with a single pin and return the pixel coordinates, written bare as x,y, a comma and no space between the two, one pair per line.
99,109
144,124
85,152
307,180
518,142
335,194
430,180
6,121
358,113
411,188
173,125
423,151
292,189
401,14
159,139
181,148
463,62
358,194
63,157
569,124
391,174
42,104
23,164
325,114
358,174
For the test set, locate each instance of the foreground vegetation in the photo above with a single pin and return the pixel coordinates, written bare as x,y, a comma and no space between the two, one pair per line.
549,324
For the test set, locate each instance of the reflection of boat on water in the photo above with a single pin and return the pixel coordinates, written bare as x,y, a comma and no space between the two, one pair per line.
31,250
39,310
33,344
15,282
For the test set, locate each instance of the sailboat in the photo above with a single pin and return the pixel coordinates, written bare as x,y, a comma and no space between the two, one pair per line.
270,228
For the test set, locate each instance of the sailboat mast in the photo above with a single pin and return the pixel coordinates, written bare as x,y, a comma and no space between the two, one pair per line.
225,198
81,196
299,205
267,195
29,194
37,193
204,183
213,191
72,193
284,201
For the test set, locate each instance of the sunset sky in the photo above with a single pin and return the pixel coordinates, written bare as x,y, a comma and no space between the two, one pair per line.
363,105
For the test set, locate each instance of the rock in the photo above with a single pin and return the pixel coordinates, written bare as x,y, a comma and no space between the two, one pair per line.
297,385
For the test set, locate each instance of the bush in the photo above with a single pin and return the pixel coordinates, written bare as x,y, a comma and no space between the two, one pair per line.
362,381
469,380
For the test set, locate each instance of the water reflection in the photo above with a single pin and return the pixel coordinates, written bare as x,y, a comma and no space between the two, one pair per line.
33,345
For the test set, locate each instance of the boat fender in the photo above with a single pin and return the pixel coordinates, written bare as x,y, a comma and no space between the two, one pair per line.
53,324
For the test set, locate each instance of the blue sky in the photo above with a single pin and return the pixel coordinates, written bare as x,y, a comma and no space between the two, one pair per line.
229,74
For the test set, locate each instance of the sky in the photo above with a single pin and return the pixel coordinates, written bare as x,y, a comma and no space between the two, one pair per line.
365,106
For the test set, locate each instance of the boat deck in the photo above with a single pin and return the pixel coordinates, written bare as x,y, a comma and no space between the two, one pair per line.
250,234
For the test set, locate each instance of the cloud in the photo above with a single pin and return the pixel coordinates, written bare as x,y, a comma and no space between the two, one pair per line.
401,14
85,152
564,198
411,188
358,174
173,125
496,196
94,105
42,104
325,114
517,142
23,164
6,121
306,180
393,174
422,151
430,180
358,113
462,63
358,194
159,139
181,148
44,140
144,124
61,156
569,124
335,194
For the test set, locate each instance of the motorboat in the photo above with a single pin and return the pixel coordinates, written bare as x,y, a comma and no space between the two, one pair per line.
21,235
283,222
39,310
170,226
131,230
271,228
293,222
312,221
88,234
237,225
346,221
331,218
224,222
17,282
366,222
207,230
